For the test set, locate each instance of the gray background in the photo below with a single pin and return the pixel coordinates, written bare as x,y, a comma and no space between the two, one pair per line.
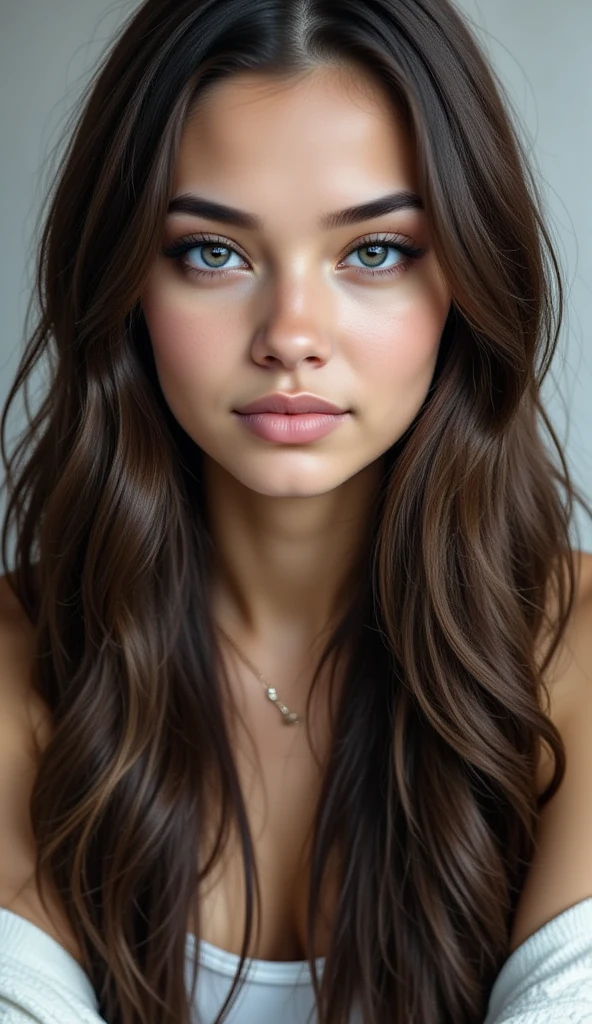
540,50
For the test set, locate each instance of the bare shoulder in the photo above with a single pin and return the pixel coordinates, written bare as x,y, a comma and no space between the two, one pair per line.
560,874
17,748
25,726
568,675
16,659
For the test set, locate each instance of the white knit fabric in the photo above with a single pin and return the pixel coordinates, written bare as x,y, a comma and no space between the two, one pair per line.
547,980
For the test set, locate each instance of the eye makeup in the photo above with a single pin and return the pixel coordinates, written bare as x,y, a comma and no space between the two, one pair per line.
204,240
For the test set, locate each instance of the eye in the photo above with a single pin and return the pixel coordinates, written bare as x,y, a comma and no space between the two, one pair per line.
209,255
212,255
374,249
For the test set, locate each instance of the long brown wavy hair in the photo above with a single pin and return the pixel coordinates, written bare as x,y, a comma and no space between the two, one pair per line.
470,537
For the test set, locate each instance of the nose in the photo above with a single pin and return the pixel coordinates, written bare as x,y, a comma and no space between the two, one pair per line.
299,329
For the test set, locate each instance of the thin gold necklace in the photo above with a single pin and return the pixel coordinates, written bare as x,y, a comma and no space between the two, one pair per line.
289,717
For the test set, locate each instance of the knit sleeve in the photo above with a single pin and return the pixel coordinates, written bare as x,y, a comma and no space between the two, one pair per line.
40,983
548,978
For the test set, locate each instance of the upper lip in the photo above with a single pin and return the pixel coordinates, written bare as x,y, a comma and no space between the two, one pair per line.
290,404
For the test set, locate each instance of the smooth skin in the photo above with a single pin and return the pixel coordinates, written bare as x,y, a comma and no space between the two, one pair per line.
296,310
293,313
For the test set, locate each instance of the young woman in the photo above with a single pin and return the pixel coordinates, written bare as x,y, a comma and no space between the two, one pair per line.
296,658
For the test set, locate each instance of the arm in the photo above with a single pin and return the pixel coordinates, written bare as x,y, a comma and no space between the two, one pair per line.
548,975
40,983
548,979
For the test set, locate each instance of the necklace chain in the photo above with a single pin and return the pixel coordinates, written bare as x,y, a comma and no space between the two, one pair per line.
289,717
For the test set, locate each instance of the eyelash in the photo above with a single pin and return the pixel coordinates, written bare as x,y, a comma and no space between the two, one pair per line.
184,245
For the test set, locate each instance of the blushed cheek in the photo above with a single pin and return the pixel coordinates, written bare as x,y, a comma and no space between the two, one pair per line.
185,347
396,356
416,348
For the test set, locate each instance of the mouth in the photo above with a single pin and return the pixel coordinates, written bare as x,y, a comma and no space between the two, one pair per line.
291,428
291,405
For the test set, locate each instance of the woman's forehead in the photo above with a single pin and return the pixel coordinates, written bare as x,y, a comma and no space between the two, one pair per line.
319,133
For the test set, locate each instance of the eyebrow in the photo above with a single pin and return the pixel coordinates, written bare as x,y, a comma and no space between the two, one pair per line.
197,206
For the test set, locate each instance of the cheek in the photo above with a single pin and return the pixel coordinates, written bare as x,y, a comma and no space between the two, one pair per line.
187,348
397,352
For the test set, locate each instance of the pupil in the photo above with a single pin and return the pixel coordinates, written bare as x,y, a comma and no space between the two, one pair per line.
373,250
218,250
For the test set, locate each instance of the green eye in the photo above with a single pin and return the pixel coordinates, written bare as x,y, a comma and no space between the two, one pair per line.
219,248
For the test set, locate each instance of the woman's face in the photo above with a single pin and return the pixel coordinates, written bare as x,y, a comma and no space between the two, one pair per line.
291,304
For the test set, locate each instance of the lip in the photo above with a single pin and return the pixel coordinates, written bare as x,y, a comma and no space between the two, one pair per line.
291,405
281,428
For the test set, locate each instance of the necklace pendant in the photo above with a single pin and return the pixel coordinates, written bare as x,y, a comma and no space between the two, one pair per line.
290,717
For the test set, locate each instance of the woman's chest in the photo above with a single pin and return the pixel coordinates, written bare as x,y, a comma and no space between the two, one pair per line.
281,799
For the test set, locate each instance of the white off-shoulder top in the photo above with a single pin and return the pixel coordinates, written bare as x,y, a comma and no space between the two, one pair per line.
547,980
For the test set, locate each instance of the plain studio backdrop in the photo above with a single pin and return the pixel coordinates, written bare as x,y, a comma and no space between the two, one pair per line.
540,50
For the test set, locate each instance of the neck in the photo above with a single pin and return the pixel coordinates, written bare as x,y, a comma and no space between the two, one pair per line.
283,564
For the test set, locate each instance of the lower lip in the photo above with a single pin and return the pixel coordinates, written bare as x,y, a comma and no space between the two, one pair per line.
291,429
